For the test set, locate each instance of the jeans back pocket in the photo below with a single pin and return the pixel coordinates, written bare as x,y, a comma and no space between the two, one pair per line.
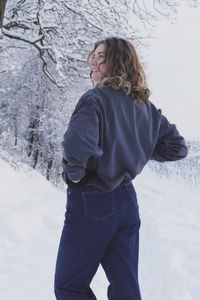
98,205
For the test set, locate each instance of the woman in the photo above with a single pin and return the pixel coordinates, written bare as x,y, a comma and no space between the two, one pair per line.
113,132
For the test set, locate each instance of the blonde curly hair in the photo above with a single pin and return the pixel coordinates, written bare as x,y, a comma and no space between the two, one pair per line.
124,70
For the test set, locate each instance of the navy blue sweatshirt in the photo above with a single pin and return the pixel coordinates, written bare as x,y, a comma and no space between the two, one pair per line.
111,136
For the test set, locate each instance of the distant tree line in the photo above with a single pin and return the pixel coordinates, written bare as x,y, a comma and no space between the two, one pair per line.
186,170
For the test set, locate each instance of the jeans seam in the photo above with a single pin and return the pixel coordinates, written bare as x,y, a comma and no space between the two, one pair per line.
124,206
132,196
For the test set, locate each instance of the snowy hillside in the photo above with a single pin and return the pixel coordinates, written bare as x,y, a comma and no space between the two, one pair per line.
32,214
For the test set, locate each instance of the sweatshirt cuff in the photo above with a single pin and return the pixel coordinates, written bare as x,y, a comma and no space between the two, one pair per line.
77,176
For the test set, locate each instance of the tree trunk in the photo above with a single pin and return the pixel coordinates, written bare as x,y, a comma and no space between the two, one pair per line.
32,132
2,10
35,158
49,166
15,133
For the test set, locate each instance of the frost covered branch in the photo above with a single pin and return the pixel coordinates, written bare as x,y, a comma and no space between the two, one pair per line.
64,31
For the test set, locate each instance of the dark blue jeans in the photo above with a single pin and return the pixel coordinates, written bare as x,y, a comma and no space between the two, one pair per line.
100,228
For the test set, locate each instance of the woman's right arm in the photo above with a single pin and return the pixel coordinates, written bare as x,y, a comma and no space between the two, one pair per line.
170,145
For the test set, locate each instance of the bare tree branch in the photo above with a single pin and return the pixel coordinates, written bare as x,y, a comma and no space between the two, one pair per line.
75,12
158,10
41,53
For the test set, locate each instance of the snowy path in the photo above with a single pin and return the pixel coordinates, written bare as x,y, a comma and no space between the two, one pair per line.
170,240
31,218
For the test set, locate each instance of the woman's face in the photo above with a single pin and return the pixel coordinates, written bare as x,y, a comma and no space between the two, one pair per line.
96,63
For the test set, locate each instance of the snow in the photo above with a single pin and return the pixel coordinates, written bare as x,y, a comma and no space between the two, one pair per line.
31,219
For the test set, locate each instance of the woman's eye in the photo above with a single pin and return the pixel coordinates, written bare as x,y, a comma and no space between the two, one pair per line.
101,56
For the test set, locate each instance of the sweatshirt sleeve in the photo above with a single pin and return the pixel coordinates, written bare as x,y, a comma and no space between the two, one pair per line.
170,144
81,140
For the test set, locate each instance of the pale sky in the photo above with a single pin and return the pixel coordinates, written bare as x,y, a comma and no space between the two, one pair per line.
173,70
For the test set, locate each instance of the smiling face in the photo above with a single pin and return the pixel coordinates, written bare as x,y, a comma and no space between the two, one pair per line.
98,64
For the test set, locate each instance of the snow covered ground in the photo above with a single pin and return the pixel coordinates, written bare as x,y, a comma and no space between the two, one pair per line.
31,219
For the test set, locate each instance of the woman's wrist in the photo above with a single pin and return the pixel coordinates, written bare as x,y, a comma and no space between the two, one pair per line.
75,181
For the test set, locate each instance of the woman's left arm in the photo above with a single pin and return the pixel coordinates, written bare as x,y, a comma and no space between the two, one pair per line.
81,140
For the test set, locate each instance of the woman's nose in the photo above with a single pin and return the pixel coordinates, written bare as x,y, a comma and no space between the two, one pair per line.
94,61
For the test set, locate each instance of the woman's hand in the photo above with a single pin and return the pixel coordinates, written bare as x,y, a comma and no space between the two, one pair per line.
75,181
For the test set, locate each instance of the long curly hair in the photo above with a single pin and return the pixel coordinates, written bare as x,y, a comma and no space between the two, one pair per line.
124,70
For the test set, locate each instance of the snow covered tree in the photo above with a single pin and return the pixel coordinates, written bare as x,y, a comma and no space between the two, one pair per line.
43,48
63,31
